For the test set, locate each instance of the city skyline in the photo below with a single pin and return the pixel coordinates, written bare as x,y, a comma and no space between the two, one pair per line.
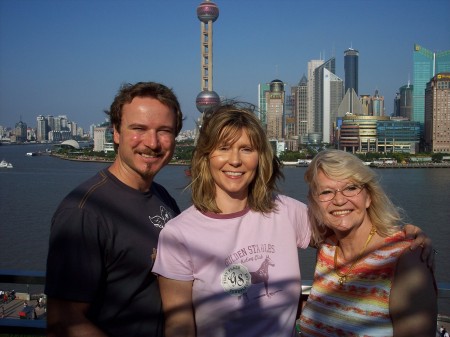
69,58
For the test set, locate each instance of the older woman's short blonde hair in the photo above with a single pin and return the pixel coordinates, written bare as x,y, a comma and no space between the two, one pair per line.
223,125
341,165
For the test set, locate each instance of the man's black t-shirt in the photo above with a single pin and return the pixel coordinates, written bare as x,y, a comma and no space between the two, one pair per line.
102,246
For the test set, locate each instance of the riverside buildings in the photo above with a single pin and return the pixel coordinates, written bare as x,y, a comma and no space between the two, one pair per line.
323,109
56,129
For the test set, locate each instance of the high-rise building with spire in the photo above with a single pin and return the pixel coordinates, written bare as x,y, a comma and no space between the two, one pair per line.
405,102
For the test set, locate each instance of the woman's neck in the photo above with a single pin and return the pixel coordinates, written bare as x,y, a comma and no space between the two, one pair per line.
227,204
352,243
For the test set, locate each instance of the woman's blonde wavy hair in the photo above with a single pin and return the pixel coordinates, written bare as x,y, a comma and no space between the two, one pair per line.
341,165
223,125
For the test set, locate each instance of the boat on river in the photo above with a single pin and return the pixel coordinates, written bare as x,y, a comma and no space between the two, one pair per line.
5,164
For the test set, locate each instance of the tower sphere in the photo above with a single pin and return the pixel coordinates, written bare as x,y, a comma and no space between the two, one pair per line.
207,11
206,100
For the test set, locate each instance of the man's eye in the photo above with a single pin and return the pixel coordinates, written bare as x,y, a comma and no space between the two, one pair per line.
165,131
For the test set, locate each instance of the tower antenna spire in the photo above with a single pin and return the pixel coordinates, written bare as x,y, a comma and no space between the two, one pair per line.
207,13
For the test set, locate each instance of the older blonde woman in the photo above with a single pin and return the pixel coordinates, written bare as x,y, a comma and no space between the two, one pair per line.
367,281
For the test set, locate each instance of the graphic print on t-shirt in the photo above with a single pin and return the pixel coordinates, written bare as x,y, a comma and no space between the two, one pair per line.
161,219
246,267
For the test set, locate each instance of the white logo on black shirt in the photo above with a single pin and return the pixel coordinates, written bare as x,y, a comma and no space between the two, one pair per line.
160,220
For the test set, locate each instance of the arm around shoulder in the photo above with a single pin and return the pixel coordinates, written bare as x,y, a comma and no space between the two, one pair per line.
413,300
178,307
68,319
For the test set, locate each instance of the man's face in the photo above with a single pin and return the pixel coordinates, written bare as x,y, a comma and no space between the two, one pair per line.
146,139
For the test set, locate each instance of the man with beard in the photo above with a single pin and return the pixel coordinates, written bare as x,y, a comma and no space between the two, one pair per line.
105,232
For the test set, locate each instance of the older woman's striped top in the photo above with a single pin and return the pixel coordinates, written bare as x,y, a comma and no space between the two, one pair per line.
359,307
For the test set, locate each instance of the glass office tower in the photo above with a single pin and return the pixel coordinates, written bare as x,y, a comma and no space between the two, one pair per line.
426,64
351,70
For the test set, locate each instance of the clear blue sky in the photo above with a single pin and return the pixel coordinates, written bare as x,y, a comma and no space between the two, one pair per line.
70,56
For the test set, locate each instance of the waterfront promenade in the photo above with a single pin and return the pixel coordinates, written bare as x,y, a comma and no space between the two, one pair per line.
412,165
15,309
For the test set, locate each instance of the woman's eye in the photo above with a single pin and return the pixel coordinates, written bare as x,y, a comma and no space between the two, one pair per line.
327,192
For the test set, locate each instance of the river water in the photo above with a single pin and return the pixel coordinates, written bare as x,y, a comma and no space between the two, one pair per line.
31,191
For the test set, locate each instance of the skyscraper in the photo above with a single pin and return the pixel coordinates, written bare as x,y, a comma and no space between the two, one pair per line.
437,113
377,104
405,103
331,99
351,70
275,102
207,13
300,109
312,66
262,103
426,64
41,128
319,94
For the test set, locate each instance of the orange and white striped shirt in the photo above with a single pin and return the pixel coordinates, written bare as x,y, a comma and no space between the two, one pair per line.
360,306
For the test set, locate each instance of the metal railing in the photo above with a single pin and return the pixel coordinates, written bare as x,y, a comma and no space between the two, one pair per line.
37,327
16,326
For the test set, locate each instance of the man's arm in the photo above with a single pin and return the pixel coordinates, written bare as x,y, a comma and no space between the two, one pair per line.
178,309
413,299
68,319
421,240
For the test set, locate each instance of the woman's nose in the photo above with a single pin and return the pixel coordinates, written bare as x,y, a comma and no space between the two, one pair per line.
339,198
235,158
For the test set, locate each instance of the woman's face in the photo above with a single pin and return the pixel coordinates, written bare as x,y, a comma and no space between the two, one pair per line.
342,213
233,167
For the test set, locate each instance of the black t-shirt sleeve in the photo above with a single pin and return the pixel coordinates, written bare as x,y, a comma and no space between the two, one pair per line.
74,263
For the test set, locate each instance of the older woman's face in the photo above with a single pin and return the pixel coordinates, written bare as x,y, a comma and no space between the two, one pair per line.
342,213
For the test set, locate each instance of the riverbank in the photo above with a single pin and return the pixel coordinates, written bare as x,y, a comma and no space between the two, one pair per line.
412,165
97,159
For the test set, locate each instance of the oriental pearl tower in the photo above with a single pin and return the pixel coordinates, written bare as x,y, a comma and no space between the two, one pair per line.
207,13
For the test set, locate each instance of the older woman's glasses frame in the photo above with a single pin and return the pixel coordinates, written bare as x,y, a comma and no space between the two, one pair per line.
348,191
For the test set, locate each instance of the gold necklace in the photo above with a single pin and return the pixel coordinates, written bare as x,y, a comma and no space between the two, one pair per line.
344,276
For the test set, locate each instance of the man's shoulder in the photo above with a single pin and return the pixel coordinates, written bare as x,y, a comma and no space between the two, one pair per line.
93,183
88,188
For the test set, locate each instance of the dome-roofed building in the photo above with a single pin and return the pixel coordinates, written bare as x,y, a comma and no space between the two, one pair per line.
70,144
276,86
